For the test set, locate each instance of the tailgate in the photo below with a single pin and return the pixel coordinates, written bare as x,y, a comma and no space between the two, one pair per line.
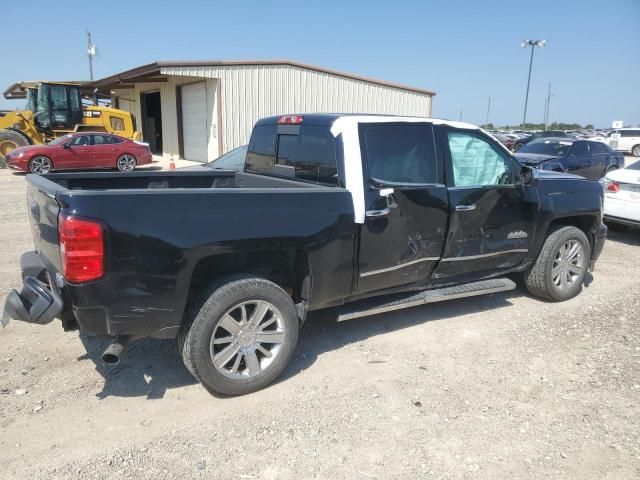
43,210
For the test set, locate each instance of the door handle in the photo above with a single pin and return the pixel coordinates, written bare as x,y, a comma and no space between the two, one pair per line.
466,208
378,213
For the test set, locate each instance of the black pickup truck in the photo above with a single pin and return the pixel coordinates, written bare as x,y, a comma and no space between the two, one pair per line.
361,213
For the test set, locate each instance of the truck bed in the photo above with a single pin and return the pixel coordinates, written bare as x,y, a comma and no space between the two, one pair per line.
158,227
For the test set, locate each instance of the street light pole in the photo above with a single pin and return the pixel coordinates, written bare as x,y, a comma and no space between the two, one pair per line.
532,44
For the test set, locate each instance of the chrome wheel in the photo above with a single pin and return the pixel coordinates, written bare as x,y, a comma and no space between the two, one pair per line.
568,264
636,151
40,165
247,339
126,163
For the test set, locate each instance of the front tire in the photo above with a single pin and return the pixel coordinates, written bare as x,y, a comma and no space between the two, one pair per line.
242,337
559,270
126,163
40,165
636,151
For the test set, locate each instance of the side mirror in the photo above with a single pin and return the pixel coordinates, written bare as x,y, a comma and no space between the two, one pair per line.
67,145
526,176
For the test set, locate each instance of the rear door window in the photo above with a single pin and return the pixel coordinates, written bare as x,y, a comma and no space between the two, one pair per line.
102,140
580,148
400,153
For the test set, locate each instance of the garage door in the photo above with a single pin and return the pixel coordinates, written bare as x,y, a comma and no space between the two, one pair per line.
194,122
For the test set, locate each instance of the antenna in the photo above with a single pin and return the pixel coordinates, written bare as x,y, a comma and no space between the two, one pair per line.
91,52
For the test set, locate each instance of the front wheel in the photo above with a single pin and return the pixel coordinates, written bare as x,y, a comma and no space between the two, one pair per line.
40,165
242,337
126,163
636,151
559,270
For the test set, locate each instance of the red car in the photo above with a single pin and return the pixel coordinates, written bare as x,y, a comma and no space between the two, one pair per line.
80,151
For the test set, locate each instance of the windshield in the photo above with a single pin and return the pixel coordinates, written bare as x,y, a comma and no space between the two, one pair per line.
233,160
60,140
32,100
547,147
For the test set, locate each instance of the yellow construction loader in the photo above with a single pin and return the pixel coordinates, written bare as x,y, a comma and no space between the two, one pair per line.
55,109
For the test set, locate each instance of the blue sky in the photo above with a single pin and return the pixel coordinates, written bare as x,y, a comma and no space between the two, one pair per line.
465,51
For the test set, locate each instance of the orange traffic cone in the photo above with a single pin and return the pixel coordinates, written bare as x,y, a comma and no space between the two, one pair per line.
172,163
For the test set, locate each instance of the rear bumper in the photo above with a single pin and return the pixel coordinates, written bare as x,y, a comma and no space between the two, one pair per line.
96,308
599,236
37,302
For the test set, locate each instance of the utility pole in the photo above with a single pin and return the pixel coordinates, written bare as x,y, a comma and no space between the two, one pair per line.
532,44
91,52
547,105
460,114
486,121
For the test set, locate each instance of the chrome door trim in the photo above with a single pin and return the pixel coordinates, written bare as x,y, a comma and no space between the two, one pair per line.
484,255
402,265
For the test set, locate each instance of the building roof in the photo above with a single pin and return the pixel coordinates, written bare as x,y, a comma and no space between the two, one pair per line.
147,72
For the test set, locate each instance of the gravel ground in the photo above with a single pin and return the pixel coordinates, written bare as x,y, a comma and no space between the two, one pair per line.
502,386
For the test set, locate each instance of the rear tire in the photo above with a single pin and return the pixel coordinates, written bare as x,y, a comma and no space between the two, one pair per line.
561,266
636,151
242,336
126,163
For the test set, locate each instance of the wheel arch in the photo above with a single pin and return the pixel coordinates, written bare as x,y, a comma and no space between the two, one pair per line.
287,268
586,223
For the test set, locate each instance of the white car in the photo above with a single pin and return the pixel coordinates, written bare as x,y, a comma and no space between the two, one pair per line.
625,140
622,195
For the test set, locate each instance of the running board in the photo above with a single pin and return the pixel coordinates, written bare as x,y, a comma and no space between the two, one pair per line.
388,303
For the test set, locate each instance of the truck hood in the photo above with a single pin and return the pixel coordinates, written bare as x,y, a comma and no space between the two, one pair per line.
533,158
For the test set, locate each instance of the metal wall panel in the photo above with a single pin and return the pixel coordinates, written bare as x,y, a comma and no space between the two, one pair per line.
250,92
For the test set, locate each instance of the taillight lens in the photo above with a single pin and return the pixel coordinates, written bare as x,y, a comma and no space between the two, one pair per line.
81,248
613,187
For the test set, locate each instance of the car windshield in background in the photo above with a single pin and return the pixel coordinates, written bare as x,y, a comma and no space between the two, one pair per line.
559,148
61,140
233,160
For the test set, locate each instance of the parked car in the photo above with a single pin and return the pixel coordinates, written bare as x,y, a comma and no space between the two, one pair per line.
362,213
625,140
622,195
80,151
547,134
506,141
589,159
232,160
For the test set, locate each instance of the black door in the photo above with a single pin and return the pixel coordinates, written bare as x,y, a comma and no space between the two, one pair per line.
492,217
403,235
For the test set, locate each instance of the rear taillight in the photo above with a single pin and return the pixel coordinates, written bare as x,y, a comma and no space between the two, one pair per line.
613,187
81,248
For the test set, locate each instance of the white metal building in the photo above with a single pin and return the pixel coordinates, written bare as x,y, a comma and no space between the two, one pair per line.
199,110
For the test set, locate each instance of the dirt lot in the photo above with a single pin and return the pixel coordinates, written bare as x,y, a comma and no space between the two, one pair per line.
503,386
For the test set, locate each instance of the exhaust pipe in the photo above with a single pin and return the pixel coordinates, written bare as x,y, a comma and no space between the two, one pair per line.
115,350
